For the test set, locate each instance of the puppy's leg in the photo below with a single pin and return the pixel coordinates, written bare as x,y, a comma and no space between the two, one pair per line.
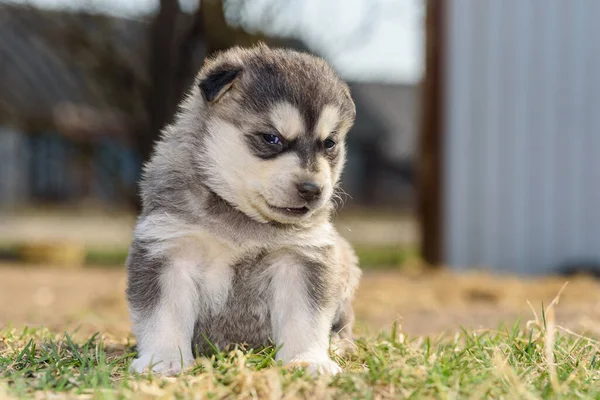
341,332
163,302
302,314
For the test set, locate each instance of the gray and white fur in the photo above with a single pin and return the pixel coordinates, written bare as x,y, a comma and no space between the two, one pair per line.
234,243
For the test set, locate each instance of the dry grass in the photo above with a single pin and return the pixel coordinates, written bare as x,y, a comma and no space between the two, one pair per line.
504,363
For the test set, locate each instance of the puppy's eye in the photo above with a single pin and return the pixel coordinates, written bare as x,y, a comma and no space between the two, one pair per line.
271,138
329,144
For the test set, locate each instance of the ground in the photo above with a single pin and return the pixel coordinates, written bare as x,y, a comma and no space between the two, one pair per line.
423,303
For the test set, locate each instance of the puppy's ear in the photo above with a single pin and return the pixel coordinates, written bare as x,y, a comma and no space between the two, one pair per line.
348,95
218,81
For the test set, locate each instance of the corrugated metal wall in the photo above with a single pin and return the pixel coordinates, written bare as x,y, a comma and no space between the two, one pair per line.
522,133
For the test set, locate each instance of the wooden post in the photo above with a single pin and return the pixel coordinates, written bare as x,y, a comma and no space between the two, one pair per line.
431,160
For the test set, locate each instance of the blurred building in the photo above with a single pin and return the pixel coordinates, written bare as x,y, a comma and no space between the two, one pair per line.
73,85
383,144
61,134
512,166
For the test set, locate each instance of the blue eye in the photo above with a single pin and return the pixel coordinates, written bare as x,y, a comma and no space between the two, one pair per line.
271,138
329,144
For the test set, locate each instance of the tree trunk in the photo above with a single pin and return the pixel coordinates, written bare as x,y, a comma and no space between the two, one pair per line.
172,66
159,99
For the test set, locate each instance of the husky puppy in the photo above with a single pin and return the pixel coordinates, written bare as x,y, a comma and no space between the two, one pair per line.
234,243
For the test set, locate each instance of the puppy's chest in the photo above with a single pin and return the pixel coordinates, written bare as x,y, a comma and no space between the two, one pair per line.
244,316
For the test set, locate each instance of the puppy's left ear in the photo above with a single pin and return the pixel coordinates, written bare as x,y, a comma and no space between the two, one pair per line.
218,81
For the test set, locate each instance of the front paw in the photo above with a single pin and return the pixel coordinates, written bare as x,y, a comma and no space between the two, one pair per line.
314,366
167,365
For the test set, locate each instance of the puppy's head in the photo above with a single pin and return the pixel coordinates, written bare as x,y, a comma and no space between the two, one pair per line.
275,125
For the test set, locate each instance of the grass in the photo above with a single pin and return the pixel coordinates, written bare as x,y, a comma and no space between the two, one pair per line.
539,361
374,257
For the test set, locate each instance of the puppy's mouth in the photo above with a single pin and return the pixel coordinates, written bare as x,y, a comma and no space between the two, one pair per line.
291,211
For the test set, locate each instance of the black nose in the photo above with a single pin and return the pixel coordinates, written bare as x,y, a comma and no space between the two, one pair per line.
309,191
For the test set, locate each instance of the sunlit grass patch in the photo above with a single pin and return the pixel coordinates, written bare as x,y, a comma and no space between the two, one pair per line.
371,257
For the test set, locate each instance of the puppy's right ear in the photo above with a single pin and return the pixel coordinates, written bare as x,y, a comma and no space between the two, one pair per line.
218,81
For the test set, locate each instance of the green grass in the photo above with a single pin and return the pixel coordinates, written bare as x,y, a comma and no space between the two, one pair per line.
377,257
507,363
371,257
